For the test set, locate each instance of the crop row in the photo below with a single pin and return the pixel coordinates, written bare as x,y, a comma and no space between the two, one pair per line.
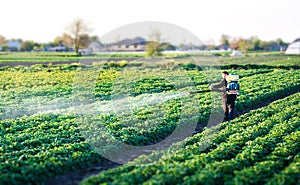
54,142
139,81
266,142
26,92
147,124
33,149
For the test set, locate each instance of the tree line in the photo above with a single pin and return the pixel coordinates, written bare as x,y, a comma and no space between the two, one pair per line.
252,44
77,36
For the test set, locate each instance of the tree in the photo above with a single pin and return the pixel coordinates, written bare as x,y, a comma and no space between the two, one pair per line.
167,47
2,40
234,43
225,40
244,45
95,38
64,40
4,47
27,46
265,45
76,29
281,42
154,46
67,40
85,41
58,41
256,44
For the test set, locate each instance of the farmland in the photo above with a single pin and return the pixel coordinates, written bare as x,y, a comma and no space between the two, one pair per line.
248,150
54,116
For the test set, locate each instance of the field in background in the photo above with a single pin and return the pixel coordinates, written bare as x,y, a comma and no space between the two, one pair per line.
71,57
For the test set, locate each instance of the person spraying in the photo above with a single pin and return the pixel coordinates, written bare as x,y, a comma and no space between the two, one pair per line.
229,87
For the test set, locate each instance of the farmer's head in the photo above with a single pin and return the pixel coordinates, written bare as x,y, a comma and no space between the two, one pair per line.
224,74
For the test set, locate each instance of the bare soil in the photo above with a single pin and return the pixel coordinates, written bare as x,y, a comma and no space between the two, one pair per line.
75,177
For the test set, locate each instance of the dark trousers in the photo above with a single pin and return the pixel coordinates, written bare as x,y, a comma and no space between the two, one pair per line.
228,102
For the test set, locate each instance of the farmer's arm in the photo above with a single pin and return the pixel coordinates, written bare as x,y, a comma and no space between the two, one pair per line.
219,85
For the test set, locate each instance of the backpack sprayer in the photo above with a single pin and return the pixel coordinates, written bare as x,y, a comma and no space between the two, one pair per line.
232,86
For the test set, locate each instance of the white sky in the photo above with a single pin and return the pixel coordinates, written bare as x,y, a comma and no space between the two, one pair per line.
42,21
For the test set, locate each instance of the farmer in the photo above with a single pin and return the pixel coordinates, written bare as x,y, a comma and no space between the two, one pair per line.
228,99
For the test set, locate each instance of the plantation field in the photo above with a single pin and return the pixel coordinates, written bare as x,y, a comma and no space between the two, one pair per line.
267,58
59,118
260,147
57,56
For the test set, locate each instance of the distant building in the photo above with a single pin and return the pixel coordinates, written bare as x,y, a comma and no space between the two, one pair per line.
294,47
236,54
274,46
224,47
58,49
136,44
95,47
13,46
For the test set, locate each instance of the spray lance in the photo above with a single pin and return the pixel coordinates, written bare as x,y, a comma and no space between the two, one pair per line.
204,91
200,91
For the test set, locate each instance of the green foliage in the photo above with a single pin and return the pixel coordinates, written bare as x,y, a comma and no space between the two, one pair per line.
4,47
27,45
151,85
153,48
2,40
247,150
189,66
244,45
37,147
